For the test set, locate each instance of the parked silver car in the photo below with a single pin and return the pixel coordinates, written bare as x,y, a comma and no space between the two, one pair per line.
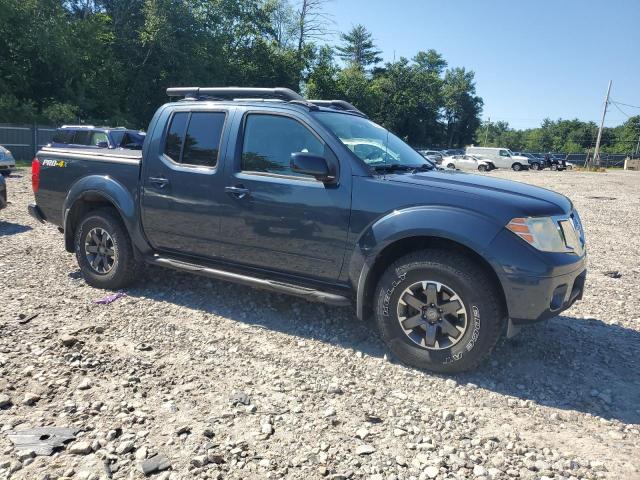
7,162
433,155
468,162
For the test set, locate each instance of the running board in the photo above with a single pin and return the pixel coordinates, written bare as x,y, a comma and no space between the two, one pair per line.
309,294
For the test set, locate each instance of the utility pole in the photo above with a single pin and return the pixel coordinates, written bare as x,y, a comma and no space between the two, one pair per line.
596,152
486,132
638,146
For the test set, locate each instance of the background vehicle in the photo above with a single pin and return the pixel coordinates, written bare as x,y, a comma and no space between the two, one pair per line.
468,162
88,136
501,157
7,162
433,155
452,151
535,163
279,195
558,161
3,192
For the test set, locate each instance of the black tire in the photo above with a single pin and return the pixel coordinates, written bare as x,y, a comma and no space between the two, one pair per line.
535,166
124,268
485,316
482,168
516,167
451,165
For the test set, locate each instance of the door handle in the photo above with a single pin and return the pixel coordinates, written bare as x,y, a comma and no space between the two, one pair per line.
159,182
238,191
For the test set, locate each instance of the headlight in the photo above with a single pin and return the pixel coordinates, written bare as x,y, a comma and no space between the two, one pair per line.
546,234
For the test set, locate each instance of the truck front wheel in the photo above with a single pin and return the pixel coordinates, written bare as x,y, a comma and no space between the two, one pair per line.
438,310
104,251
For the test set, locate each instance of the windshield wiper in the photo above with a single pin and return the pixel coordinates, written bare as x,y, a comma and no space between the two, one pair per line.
424,168
397,167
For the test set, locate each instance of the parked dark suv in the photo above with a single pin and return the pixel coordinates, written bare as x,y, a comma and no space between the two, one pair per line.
88,136
311,198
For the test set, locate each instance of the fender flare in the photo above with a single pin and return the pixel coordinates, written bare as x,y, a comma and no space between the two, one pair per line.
468,228
95,186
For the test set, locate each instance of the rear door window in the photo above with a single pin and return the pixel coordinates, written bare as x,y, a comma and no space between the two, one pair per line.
202,141
175,136
194,138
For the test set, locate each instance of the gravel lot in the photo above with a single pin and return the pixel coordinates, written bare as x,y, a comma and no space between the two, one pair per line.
153,372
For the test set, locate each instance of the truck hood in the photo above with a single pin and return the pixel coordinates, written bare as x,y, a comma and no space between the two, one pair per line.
524,199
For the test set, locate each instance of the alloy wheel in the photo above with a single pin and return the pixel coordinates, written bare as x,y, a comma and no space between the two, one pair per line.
432,315
99,250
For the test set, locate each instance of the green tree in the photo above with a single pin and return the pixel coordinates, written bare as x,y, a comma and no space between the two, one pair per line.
358,49
462,106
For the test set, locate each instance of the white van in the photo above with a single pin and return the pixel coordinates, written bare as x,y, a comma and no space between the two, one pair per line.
501,157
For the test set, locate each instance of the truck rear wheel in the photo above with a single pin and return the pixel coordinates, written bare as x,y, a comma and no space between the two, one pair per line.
439,311
104,251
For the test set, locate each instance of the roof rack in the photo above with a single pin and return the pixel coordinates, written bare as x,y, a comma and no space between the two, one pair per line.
77,126
258,94
234,92
337,104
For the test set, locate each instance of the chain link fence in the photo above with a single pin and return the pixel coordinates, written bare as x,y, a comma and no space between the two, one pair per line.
25,140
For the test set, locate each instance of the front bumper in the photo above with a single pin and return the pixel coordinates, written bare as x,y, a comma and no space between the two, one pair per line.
7,164
536,285
546,298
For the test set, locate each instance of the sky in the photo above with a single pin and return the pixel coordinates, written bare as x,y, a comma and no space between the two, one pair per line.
533,59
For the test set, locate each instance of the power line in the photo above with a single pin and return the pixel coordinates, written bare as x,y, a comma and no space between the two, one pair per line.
624,104
621,111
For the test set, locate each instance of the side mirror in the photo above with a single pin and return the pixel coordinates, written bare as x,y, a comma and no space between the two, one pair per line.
311,164
102,145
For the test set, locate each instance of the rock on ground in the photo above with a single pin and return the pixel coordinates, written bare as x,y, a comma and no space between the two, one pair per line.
558,401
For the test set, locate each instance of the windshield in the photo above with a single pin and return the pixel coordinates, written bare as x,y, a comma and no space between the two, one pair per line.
373,144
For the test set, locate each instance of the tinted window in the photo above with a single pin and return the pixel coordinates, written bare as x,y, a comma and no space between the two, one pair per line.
269,141
203,139
131,140
63,136
175,136
81,137
117,138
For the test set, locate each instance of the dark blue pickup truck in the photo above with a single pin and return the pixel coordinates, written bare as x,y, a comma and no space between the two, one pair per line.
310,198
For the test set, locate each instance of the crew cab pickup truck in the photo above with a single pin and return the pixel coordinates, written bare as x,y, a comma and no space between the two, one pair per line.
264,188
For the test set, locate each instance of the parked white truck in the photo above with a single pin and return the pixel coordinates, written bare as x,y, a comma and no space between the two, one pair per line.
501,157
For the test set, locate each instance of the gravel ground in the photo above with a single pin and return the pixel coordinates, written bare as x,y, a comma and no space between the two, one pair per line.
154,372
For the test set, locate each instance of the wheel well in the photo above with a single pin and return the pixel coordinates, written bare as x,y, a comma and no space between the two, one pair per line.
398,249
86,203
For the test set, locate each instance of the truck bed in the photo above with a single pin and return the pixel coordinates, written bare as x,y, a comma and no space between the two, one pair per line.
63,169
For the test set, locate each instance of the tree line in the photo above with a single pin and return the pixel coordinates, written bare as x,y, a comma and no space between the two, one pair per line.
567,136
110,62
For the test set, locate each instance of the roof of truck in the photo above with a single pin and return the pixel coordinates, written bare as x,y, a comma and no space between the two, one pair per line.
259,96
